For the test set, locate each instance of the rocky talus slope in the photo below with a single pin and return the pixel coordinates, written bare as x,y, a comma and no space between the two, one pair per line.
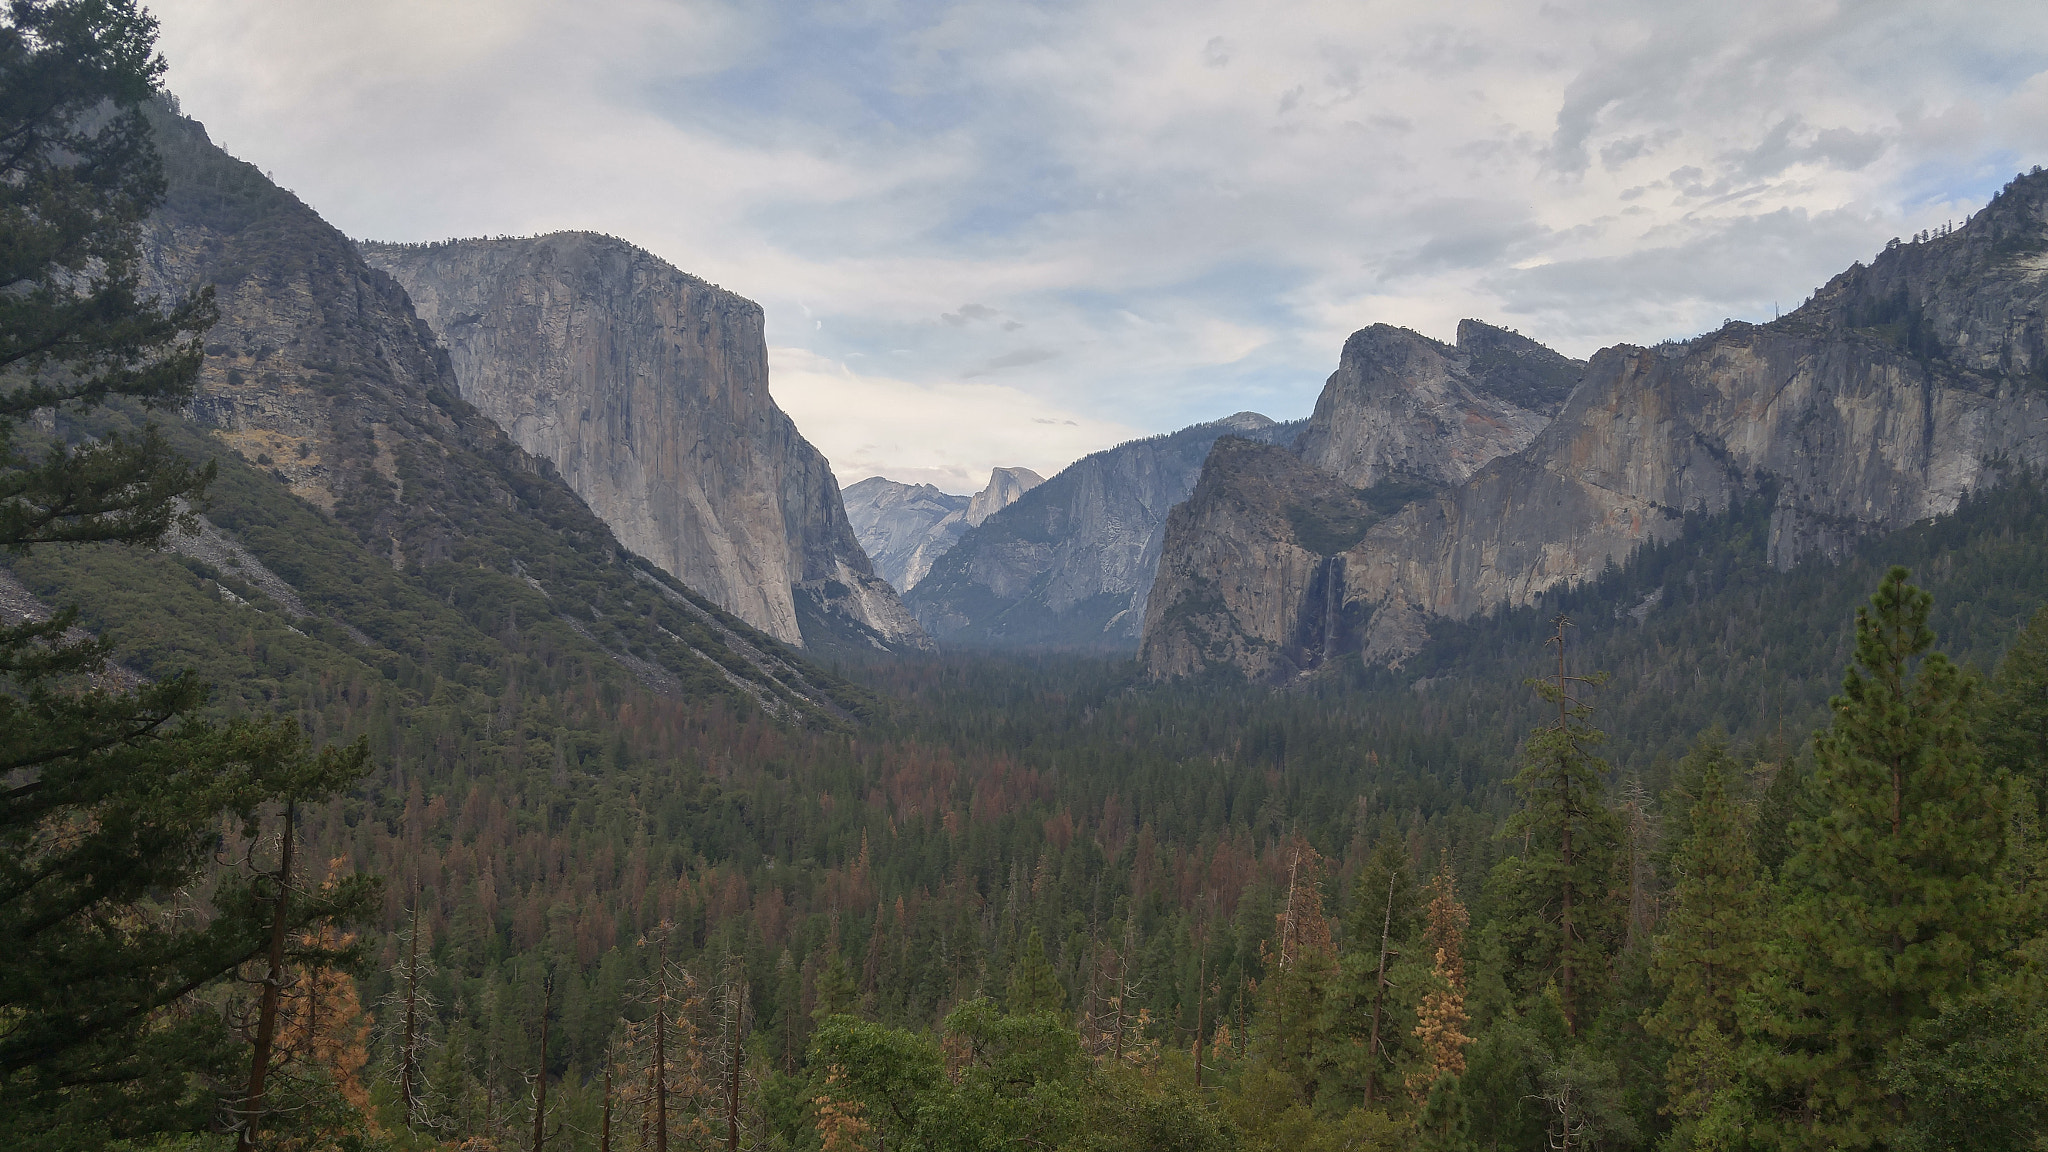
1069,564
648,390
905,528
320,376
1897,389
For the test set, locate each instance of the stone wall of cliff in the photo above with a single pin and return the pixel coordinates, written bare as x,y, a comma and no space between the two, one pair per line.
1895,390
905,528
1245,580
1070,563
321,375
1402,406
648,389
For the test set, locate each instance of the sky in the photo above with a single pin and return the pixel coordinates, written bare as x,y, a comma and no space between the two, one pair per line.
1012,233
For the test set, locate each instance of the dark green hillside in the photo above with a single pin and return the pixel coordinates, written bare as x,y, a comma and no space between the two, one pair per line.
536,600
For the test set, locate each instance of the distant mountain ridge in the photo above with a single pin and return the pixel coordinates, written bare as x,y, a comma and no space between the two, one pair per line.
1070,563
648,389
905,528
1897,389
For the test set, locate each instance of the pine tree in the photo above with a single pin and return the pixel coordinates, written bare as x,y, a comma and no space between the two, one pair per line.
1893,896
1711,945
1384,902
114,799
2015,724
1442,1125
1561,915
1034,986
835,990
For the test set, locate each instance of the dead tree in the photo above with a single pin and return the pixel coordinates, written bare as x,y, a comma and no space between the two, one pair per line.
540,1075
413,1006
1379,996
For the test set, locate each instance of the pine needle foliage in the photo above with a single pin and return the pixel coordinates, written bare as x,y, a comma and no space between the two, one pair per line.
1561,916
1893,904
1711,944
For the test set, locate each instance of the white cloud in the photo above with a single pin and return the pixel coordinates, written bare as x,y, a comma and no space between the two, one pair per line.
1143,213
948,435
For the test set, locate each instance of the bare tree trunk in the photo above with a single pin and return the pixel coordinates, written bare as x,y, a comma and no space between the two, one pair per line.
1201,990
661,1074
408,1091
1379,999
273,989
540,1077
735,1006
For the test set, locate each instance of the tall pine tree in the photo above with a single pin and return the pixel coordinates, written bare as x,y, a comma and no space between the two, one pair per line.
1557,894
1894,902
1711,945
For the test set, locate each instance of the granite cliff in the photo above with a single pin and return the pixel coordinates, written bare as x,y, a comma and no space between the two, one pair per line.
1895,390
648,390
1403,406
323,379
1069,564
907,527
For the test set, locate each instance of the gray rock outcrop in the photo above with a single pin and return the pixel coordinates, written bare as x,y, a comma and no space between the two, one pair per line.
1005,487
1403,406
1070,563
905,528
1261,536
1893,392
648,390
320,374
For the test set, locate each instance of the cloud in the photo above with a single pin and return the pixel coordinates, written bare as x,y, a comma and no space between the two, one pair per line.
1022,357
969,313
1192,201
948,435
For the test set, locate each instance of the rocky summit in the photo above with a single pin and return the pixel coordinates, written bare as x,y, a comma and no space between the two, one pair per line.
1070,563
1896,390
907,527
648,389
1403,406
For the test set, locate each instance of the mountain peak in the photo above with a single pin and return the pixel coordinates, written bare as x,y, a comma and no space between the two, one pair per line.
1005,486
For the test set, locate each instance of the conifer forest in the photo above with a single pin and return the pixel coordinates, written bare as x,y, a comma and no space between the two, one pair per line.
422,864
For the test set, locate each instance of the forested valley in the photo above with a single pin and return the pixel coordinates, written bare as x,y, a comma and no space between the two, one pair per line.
1701,853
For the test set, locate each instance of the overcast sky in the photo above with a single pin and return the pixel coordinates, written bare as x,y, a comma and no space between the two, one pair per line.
1010,233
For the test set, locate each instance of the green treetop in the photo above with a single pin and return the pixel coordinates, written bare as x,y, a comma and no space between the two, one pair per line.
1711,944
1034,987
1893,895
2015,727
1559,913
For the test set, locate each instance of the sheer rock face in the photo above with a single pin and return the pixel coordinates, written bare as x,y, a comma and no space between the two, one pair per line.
1401,405
1005,487
905,528
320,372
1070,563
1896,390
648,390
1239,563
